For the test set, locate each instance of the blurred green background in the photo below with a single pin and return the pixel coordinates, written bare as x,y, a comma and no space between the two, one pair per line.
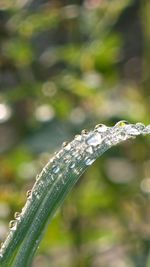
65,66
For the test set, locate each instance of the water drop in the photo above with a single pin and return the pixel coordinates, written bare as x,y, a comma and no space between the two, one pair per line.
101,128
140,126
73,153
121,123
146,130
56,169
108,141
78,137
94,139
89,149
132,130
29,194
17,215
13,225
51,160
37,177
78,156
123,136
89,161
67,146
72,165
84,131
66,160
64,144
57,155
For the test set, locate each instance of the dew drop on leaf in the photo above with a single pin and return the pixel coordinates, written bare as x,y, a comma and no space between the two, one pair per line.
101,128
89,149
29,194
121,123
55,169
140,126
131,130
67,147
84,131
13,225
147,130
89,161
94,139
72,165
37,177
78,137
17,215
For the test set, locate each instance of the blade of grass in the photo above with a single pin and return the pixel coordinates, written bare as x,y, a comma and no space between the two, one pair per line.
52,186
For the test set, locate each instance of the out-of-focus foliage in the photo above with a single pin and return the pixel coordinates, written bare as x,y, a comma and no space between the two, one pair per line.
66,65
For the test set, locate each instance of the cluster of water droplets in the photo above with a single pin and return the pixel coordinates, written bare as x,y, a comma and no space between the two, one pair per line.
13,227
85,148
88,144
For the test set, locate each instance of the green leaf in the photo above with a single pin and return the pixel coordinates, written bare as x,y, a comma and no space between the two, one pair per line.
53,185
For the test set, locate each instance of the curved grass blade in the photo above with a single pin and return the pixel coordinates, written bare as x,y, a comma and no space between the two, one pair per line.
54,183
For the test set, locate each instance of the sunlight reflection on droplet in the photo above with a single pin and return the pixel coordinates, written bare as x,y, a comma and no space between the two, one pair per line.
44,113
5,112
145,185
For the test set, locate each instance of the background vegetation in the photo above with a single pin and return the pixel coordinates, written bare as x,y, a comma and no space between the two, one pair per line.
65,66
